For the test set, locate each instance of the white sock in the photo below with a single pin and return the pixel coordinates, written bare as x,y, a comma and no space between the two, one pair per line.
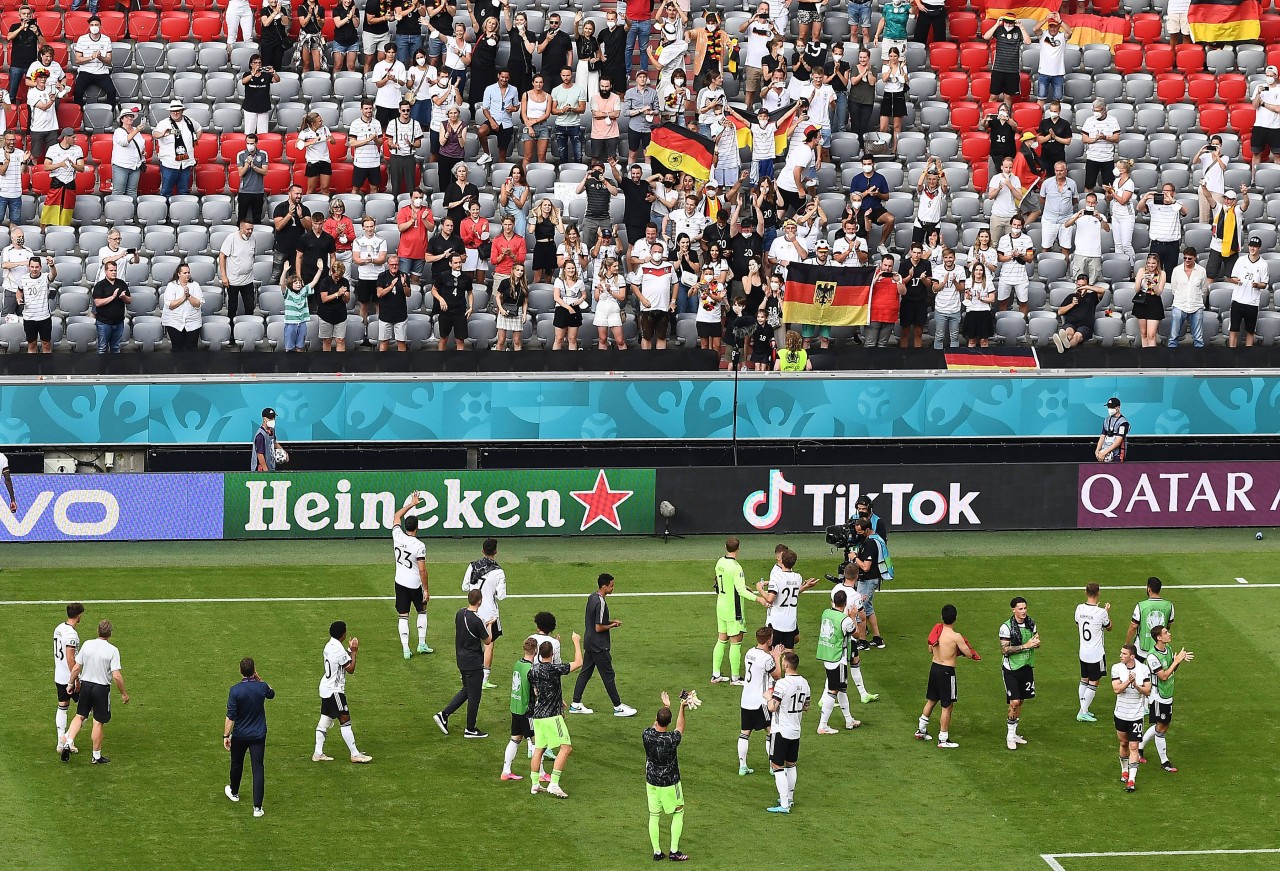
828,705
61,720
1124,766
842,699
784,789
855,672
1162,747
422,628
1146,738
1087,692
403,624
943,736
743,745
510,756
97,754
486,675
349,735
1013,727
791,785
1133,772
924,724
322,729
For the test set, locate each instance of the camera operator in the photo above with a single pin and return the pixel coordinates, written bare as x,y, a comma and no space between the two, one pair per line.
872,560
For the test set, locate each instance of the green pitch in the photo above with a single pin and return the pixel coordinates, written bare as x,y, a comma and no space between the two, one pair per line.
873,797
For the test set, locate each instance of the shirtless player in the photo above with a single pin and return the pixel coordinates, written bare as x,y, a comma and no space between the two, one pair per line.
942,676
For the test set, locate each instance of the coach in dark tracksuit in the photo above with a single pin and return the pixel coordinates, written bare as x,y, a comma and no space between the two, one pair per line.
598,657
246,731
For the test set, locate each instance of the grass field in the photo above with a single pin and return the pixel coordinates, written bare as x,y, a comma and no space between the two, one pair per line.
873,797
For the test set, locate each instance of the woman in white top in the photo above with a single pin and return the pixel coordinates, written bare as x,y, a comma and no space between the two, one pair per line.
979,293
417,90
933,246
570,296
535,115
810,221
1121,197
893,102
457,54
180,313
718,263
610,293
128,150
709,317
573,250
984,252
314,139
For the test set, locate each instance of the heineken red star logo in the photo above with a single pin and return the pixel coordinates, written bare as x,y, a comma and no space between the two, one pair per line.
601,502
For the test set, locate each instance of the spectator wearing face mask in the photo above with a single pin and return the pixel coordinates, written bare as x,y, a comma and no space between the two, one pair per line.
1007,37
1053,135
1051,69
1265,137
251,168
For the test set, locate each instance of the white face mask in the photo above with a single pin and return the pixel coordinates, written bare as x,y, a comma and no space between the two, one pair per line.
250,147
417,203
269,423
1053,116
1015,232
868,170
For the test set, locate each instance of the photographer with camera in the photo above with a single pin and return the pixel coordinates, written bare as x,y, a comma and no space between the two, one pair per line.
176,138
1089,224
1213,183
25,41
1165,227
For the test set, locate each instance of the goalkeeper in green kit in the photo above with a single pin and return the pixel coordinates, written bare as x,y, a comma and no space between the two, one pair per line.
731,593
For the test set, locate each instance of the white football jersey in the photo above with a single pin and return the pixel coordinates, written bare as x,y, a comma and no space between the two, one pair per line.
1130,703
852,598
758,665
792,693
493,589
783,613
4,462
555,645
64,636
1092,621
408,550
336,658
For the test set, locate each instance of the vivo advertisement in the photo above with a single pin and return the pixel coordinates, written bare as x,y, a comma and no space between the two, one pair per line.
120,507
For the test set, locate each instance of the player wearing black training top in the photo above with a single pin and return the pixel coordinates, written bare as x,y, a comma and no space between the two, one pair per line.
662,777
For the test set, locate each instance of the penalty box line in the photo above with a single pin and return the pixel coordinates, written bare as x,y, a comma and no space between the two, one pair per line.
1051,859
638,595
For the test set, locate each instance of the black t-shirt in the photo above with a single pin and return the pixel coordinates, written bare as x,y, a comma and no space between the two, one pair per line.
836,84
769,212
558,54
313,248
288,236
113,312
486,9
409,24
1083,313
544,680
315,17
454,290
598,198
597,612
913,275
442,21
469,633
769,63
716,234
438,244
512,296
276,32
377,9
257,93
761,336
811,60
335,310
636,210
519,58
614,43
455,192
1051,152
869,550
394,307
741,249
348,33
661,766
1003,139
25,46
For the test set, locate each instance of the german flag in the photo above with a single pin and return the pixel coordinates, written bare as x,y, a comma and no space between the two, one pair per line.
1225,20
1097,29
827,296
743,128
1036,9
683,150
991,359
782,137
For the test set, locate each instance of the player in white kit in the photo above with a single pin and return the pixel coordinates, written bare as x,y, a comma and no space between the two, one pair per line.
1092,621
787,704
1131,681
339,661
411,573
546,623
66,643
782,596
488,577
760,669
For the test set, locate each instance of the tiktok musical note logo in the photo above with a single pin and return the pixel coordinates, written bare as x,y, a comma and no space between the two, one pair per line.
770,500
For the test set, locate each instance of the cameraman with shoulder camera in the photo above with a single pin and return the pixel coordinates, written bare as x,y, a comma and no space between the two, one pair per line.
872,560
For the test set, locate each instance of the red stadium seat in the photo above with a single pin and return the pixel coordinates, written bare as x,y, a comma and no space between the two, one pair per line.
1148,28
980,176
1202,88
175,26
963,26
7,20
954,6
276,181
1159,59
163,6
1171,88
965,117
1106,7
229,145
85,180
100,148
976,147
1213,118
70,115
975,56
291,152
338,148
1027,116
980,84
40,5
49,22
211,179
300,174
944,56
199,5
113,25
144,26
327,29
206,150
953,86
233,182
15,117
75,24
104,178
1270,29
340,182
1189,58
39,181
1273,55
1128,58
1231,88
1242,115
272,145
60,53
206,26
150,181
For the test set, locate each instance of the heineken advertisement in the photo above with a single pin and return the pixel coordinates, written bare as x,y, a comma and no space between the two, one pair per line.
362,504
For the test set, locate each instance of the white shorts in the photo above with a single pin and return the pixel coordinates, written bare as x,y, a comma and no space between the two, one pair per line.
1004,290
1176,22
1051,232
607,313
472,263
387,332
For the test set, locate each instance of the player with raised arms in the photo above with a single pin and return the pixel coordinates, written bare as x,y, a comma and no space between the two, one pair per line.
761,666
411,573
549,730
339,661
662,777
787,704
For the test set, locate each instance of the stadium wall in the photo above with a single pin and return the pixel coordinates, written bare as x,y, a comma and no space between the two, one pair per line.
594,501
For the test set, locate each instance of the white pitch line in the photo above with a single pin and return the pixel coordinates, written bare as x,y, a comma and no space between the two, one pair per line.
646,594
1051,859
1052,862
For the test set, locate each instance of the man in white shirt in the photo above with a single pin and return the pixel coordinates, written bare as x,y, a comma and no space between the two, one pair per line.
13,262
709,100
66,643
759,31
389,77
175,139
411,573
1005,190
364,143
1251,278
1100,133
339,661
761,666
822,100
782,597
369,254
489,578
63,160
97,667
1213,176
92,53
114,252
568,102
1088,224
42,100
13,162
787,703
1014,252
1227,223
1051,72
1265,138
35,295
235,268
1131,682
1189,284
657,276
